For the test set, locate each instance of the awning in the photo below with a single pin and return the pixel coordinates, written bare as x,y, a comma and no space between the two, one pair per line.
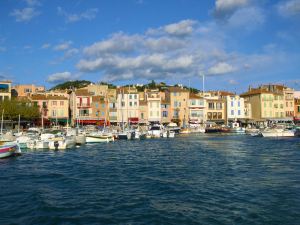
59,120
133,120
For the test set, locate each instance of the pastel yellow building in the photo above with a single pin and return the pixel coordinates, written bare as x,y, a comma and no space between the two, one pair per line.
179,104
28,89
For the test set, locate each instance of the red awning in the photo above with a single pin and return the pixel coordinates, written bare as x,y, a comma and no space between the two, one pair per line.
133,120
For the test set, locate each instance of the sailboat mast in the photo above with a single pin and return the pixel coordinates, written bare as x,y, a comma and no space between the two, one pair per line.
2,121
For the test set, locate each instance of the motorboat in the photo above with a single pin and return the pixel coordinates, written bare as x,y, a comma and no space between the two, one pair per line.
156,131
61,143
235,128
96,137
278,132
8,149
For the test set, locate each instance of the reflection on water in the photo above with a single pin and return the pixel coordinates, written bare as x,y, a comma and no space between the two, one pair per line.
195,179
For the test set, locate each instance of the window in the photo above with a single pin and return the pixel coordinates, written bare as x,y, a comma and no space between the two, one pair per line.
176,114
102,113
27,90
239,104
175,104
281,106
135,96
53,112
97,105
232,112
219,105
211,105
54,103
130,96
174,93
219,115
135,103
291,104
130,104
165,114
142,115
123,104
35,104
298,108
239,112
97,114
44,104
232,104
61,103
209,115
287,104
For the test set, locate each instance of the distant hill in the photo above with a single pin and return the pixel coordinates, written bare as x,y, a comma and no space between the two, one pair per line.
70,84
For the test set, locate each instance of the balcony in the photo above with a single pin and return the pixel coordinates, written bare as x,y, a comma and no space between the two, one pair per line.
83,105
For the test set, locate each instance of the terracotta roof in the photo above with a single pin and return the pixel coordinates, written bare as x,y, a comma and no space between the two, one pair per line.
82,92
51,97
256,92
194,96
177,89
38,97
98,98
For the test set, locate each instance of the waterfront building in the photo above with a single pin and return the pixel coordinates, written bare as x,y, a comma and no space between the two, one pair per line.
165,111
179,98
297,109
216,106
154,105
196,109
127,105
235,108
99,111
55,109
96,89
247,110
112,106
271,103
22,90
5,90
80,107
143,112
58,109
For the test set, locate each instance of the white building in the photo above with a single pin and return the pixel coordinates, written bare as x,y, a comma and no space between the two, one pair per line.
235,108
127,105
196,109
154,105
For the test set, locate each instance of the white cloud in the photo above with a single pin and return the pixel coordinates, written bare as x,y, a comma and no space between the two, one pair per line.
184,27
225,7
24,15
249,18
32,2
89,14
221,68
156,54
46,46
71,52
181,29
289,8
119,42
60,77
63,46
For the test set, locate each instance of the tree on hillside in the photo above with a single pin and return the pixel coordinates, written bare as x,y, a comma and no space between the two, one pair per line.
71,84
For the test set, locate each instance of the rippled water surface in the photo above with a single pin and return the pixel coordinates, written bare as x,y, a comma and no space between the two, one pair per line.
196,179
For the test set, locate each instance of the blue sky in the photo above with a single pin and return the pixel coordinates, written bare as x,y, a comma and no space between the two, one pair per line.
235,43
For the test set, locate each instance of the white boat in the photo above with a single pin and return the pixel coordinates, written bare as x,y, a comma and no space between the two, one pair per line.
277,132
156,131
23,140
38,144
96,137
61,143
235,128
80,139
171,134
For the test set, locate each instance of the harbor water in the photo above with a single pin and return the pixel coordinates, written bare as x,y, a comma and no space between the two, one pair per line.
194,179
